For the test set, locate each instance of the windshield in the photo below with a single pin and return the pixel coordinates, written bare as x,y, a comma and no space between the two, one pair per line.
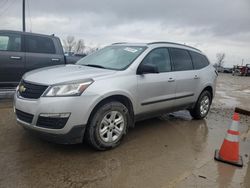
113,57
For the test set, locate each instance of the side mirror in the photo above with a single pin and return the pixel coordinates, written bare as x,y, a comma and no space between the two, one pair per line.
146,68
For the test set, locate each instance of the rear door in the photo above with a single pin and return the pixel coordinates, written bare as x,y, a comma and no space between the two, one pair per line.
186,78
156,91
41,52
12,59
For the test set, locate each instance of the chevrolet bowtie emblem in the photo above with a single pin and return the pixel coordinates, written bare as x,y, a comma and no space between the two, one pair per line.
22,89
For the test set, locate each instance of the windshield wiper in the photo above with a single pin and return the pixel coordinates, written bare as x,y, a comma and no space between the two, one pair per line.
97,66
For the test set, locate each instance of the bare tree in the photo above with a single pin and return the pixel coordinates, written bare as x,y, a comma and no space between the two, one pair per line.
79,47
220,59
92,49
69,43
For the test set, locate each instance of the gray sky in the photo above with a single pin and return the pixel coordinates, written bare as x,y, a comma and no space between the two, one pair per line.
212,26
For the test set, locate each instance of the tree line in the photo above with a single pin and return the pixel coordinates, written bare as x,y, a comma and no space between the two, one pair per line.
77,46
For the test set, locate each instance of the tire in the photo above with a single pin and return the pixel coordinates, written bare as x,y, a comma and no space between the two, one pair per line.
107,126
199,112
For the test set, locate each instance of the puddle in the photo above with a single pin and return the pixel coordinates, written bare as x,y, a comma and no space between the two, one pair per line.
246,91
228,101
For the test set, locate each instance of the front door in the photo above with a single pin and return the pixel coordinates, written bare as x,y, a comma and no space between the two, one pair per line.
156,91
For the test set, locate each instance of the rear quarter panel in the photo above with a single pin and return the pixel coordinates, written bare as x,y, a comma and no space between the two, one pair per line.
208,78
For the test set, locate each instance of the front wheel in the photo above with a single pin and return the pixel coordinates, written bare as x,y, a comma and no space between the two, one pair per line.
108,126
202,105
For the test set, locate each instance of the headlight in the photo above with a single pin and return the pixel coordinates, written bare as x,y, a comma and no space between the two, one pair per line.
68,89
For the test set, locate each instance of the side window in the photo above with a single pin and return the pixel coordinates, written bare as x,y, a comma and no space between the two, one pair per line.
181,60
4,40
10,42
36,44
159,57
199,61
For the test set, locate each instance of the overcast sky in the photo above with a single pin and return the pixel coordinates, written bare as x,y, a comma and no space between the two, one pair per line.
213,25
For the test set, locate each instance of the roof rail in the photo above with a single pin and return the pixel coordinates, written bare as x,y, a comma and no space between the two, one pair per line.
173,43
119,43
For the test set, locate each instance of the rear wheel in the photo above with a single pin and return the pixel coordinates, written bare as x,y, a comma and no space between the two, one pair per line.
107,126
202,105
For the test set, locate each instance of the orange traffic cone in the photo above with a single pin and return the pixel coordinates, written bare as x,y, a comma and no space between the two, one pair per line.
229,151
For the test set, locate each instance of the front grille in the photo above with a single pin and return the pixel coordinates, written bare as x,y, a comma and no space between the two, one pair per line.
23,116
51,122
31,91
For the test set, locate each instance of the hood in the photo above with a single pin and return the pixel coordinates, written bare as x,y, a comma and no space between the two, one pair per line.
64,73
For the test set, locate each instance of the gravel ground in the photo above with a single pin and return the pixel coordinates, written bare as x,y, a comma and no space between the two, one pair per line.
173,151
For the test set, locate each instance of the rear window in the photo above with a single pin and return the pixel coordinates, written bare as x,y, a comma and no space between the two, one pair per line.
37,44
181,60
199,61
10,42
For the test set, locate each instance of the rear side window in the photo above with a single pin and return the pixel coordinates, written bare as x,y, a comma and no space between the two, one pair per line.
181,60
199,61
37,44
10,42
160,58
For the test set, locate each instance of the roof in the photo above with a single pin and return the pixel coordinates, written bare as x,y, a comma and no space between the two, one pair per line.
174,44
170,44
29,33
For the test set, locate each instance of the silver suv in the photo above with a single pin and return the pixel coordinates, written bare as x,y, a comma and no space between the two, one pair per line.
105,93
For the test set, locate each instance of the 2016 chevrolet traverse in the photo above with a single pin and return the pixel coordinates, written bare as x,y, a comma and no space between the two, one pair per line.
105,93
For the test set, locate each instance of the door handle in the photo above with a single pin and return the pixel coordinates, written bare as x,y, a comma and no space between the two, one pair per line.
15,57
196,77
171,80
55,59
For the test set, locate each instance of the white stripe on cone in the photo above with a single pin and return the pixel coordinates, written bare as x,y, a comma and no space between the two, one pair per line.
234,126
232,138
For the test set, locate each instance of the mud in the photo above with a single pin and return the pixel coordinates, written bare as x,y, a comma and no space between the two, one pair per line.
171,151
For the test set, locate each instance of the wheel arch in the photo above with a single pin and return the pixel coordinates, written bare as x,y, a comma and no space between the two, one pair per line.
193,110
210,90
125,100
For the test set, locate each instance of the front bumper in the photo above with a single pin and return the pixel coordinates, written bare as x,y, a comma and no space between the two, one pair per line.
74,136
72,131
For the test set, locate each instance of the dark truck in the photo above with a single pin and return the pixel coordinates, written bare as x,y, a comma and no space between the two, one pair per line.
21,52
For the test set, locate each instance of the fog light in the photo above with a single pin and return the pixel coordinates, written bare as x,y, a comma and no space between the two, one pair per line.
52,120
55,115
